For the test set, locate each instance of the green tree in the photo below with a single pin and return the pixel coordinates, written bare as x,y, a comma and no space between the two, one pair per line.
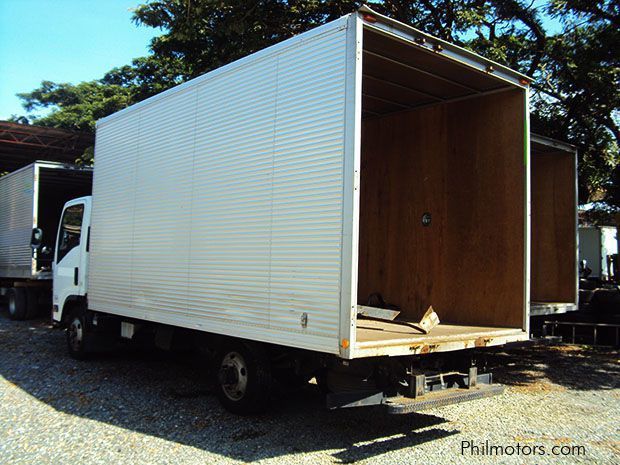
147,76
76,106
207,34
79,106
577,95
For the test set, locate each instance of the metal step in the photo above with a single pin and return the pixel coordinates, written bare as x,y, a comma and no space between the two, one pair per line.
401,405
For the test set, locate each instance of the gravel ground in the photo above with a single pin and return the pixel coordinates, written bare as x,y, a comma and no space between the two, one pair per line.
137,407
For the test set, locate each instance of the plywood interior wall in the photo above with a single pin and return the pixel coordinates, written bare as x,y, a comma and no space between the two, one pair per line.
554,242
463,163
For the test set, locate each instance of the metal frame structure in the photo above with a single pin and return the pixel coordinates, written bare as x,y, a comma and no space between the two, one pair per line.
573,325
22,144
436,45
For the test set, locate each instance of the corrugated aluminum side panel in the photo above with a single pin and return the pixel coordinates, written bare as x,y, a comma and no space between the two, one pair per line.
161,215
112,214
219,206
16,223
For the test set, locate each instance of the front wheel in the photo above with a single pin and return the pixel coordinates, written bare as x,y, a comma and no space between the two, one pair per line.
78,335
243,378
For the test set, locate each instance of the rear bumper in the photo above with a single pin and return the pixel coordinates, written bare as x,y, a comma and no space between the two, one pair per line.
422,394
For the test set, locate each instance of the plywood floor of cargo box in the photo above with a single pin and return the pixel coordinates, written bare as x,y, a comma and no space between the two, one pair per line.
386,338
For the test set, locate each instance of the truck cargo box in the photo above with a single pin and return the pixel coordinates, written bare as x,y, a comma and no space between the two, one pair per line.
272,198
33,197
555,275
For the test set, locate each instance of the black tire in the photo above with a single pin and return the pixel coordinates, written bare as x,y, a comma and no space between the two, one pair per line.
18,306
321,381
32,303
243,378
79,335
290,380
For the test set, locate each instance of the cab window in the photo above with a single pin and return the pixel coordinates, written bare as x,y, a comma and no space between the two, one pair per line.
70,230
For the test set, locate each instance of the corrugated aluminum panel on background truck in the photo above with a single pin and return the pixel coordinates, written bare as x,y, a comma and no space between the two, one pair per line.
17,212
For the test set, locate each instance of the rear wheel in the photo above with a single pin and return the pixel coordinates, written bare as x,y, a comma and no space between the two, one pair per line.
243,378
321,381
32,303
18,307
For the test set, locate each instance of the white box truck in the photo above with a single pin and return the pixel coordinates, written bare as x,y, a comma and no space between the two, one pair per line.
31,200
597,244
299,211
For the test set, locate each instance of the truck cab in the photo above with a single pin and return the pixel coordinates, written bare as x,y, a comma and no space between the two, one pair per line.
70,265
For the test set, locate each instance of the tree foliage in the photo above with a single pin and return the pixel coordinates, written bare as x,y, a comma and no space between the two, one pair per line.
576,93
207,34
79,105
577,96
147,76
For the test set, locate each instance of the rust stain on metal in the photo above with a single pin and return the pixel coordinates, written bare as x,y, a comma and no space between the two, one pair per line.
482,341
428,348
415,349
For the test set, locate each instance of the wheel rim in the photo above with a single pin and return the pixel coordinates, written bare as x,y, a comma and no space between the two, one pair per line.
75,332
234,376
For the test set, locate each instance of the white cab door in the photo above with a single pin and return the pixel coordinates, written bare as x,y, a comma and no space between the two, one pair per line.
70,256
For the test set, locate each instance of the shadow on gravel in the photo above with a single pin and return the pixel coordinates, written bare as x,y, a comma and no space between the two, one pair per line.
561,366
164,395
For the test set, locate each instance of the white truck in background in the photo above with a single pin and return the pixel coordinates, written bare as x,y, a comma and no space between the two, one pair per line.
31,200
239,211
597,245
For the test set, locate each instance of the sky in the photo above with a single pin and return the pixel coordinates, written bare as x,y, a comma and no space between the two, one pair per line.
71,41
64,41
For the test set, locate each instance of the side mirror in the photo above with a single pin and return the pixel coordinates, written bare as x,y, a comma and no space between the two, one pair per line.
36,239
